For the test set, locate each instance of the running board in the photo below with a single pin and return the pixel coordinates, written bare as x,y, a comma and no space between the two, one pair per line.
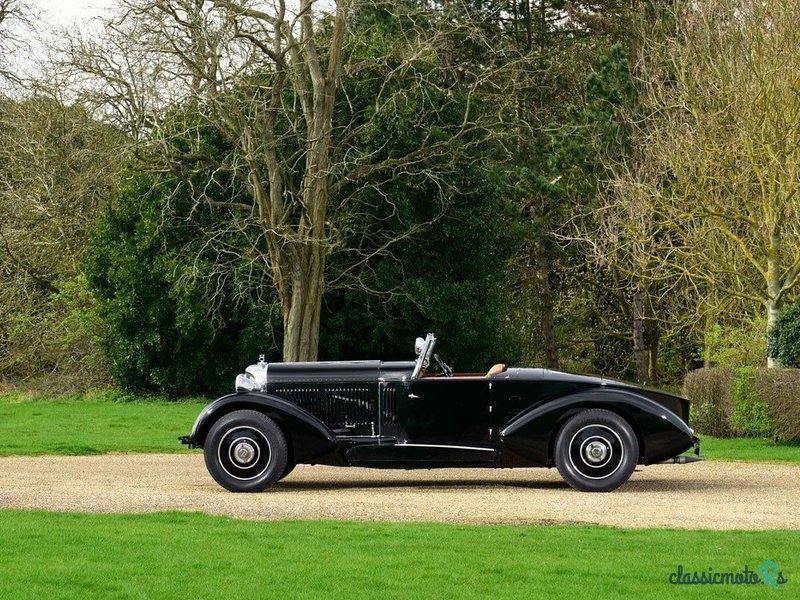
425,456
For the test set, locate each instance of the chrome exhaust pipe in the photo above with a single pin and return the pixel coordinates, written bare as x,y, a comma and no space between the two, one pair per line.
682,460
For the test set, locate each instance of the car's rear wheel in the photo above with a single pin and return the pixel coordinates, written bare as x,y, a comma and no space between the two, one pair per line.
287,469
596,451
245,451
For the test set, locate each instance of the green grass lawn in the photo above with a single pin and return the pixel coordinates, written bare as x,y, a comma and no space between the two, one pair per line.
108,422
97,424
748,449
179,555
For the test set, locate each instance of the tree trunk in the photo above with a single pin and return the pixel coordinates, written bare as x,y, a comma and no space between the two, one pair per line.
773,310
652,340
298,253
546,306
305,255
707,342
773,301
301,311
303,304
639,348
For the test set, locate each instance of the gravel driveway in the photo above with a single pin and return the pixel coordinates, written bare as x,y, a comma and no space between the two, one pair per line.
716,495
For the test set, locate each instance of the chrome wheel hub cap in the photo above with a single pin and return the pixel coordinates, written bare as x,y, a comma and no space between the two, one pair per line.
595,452
243,453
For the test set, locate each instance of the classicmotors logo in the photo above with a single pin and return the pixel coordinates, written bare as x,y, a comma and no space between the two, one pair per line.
767,574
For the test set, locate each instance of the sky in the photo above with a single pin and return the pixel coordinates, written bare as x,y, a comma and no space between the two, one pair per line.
64,12
48,16
51,16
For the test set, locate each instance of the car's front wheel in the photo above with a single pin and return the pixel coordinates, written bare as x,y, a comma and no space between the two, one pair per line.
245,451
596,451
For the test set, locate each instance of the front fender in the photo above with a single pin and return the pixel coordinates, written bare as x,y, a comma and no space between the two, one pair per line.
661,433
306,435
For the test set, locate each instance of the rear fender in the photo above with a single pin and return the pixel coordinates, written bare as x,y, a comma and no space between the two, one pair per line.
306,435
660,432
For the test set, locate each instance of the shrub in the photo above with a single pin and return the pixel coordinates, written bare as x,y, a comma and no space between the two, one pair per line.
740,344
161,331
750,418
745,402
783,340
780,388
711,397
54,347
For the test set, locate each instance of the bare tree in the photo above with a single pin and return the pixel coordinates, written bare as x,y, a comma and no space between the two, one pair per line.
57,169
630,239
723,150
14,20
702,211
268,77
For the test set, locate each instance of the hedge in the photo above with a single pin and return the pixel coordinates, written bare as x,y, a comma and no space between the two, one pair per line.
745,402
780,388
710,392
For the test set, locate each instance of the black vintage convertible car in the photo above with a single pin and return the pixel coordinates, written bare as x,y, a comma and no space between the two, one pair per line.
398,415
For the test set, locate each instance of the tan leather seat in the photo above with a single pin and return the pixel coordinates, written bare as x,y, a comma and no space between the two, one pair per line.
496,370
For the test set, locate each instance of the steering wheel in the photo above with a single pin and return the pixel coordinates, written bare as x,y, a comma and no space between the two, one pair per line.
443,366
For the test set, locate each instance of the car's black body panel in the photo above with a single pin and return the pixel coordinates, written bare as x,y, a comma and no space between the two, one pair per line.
372,413
660,432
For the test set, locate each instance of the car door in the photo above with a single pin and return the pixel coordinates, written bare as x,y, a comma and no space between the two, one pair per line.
432,422
445,410
440,421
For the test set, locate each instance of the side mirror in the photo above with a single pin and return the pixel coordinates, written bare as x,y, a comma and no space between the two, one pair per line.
419,346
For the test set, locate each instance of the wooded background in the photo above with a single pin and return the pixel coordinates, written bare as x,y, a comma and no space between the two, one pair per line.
606,186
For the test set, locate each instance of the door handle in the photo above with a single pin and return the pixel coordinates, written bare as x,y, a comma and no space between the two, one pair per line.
413,396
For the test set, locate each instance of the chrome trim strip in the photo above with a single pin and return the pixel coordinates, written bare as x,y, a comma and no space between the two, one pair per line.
444,446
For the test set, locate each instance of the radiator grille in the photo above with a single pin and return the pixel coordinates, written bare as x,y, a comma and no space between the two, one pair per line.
337,406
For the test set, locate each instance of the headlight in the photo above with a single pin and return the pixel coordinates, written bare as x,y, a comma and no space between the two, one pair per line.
245,384
254,378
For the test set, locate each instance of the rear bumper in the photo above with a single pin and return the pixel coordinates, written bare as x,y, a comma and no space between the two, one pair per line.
187,441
